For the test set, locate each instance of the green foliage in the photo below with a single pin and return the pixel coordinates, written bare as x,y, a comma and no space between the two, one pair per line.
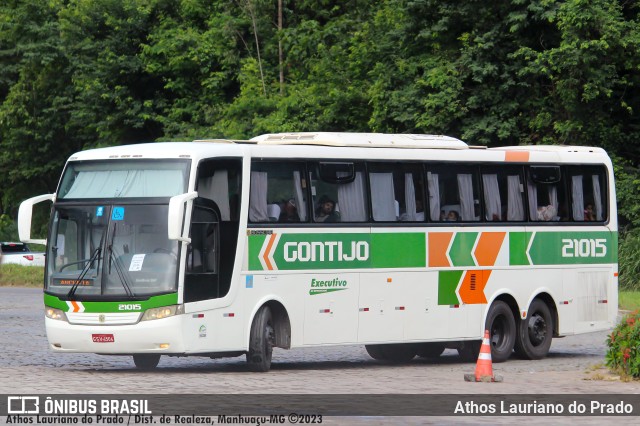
623,353
8,228
78,74
629,260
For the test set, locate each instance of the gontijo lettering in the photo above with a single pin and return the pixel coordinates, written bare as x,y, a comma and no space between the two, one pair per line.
330,250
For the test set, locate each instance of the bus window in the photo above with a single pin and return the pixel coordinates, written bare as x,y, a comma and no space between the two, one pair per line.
396,192
547,195
203,255
219,181
503,193
339,193
453,193
278,193
588,200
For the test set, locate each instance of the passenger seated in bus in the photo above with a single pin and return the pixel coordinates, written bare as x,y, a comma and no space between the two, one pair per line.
404,217
452,216
547,213
273,212
589,215
289,212
326,211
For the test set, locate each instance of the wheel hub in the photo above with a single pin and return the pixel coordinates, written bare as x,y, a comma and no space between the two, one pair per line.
537,329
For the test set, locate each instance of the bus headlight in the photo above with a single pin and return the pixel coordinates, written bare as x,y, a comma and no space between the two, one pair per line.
163,312
55,314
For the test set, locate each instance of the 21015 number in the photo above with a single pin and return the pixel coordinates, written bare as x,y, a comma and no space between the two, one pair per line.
586,247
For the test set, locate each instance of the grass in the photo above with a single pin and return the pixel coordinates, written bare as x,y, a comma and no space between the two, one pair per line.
21,276
629,300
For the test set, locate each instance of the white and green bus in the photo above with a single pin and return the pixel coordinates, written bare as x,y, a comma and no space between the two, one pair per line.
408,244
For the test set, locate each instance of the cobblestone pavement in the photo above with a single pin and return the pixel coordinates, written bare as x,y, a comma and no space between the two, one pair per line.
27,366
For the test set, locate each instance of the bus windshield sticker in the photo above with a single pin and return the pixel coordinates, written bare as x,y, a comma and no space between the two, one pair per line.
99,211
136,262
118,213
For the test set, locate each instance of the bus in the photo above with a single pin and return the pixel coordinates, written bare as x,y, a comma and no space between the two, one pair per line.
408,244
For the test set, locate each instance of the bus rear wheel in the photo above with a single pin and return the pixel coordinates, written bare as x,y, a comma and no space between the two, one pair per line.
502,331
146,361
261,341
535,332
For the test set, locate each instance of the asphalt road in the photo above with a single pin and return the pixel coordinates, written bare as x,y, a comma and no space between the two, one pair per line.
27,366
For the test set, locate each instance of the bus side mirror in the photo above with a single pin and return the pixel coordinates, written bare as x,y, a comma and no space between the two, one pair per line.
24,217
176,216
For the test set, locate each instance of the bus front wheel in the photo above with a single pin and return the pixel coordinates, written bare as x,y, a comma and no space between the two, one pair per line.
261,341
535,332
146,361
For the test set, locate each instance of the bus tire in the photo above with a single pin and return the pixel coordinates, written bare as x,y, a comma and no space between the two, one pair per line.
146,361
430,350
261,341
376,352
502,331
535,332
399,352
469,350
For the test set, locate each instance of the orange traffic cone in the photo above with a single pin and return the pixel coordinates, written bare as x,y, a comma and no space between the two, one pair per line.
484,369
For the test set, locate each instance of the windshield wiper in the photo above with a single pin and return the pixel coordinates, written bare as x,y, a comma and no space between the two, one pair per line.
121,274
114,260
84,271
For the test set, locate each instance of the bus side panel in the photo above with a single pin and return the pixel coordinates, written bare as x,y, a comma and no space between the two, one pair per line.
403,306
219,329
331,307
585,305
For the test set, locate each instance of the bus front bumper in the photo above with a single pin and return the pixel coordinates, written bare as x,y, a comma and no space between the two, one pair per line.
162,336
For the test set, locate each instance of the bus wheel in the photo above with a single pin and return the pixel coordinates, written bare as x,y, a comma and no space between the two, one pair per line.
146,361
376,352
430,350
535,332
261,341
502,331
469,350
400,352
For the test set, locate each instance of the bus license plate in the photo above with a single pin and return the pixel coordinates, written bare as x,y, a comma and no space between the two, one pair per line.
102,338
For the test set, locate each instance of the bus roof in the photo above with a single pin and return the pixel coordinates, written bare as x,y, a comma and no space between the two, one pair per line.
355,140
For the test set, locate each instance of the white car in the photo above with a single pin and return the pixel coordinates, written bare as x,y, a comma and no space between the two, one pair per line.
19,254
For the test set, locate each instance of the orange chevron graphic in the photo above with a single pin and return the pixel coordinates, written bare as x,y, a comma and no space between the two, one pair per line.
438,244
472,287
76,307
488,248
265,256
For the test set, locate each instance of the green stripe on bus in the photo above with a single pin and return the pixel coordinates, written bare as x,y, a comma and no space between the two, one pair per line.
568,248
447,284
518,242
460,252
319,251
95,307
398,250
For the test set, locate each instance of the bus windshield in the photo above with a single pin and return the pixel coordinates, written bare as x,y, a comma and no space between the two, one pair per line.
111,250
124,179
